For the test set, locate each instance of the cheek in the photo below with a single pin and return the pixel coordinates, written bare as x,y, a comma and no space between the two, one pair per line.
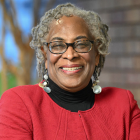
90,62
89,58
52,60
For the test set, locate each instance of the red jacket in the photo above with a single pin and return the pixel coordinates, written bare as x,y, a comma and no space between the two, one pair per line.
28,113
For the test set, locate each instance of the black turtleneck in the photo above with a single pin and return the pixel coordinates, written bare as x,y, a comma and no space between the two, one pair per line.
81,100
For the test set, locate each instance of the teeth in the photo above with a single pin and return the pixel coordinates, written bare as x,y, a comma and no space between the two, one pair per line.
72,69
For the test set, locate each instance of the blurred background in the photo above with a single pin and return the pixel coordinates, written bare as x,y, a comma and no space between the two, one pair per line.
17,59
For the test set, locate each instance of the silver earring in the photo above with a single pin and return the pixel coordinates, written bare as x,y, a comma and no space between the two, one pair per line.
96,88
45,83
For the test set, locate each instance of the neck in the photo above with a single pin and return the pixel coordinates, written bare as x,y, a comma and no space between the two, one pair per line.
73,101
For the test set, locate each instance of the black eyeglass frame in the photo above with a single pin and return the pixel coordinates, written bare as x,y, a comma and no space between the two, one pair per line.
68,44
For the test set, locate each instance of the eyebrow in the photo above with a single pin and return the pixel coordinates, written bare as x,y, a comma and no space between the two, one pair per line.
57,38
78,37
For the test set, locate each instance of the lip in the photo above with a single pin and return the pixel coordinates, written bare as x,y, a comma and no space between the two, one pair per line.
71,66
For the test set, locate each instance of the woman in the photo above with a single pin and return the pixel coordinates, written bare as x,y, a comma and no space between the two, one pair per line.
71,45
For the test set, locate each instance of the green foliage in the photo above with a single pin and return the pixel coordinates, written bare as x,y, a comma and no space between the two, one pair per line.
0,85
11,82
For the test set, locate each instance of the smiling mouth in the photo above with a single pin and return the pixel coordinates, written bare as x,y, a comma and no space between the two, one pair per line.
72,68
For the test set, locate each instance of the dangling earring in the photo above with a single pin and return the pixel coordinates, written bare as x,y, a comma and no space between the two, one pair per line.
45,83
96,88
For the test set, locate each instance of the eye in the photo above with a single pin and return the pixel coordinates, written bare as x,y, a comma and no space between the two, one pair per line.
57,46
82,44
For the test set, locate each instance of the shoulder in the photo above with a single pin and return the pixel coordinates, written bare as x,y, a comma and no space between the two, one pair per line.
115,92
116,96
26,93
17,106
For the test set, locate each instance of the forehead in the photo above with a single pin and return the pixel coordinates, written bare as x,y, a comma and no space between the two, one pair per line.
68,27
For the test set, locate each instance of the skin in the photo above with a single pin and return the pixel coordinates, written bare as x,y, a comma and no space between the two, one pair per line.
68,29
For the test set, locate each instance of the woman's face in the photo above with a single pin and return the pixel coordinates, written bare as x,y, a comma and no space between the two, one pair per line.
62,67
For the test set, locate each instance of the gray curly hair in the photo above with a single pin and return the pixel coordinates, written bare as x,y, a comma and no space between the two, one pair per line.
92,19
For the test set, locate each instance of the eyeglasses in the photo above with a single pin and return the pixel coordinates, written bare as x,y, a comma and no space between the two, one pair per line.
59,47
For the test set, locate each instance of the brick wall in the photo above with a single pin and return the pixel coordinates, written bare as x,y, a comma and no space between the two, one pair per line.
122,67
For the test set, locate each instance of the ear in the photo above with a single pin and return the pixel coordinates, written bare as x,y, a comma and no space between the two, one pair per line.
97,58
43,51
46,64
45,56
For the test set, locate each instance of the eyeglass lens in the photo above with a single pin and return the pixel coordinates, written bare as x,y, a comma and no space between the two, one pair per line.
79,46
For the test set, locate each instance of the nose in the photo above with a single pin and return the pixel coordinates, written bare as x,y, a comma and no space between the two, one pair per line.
70,53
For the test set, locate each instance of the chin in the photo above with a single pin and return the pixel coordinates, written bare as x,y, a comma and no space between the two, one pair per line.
71,85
